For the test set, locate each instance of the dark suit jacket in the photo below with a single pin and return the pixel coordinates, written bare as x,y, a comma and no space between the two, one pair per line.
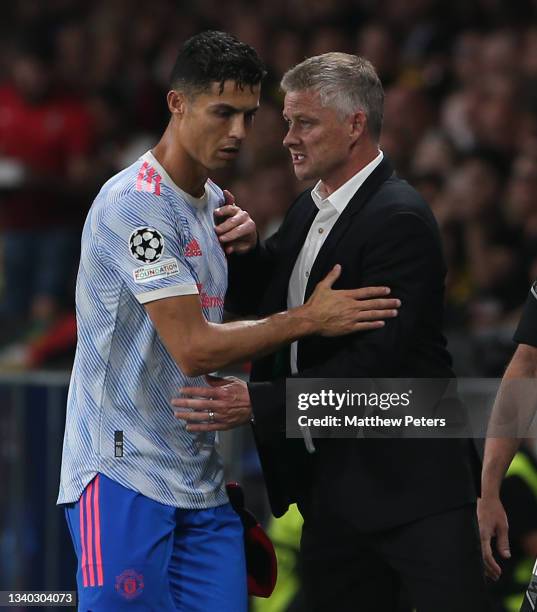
386,235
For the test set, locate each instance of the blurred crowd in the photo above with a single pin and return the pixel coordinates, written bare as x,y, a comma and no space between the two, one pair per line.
82,95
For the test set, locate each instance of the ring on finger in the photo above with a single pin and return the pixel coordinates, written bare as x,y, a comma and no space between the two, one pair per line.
211,416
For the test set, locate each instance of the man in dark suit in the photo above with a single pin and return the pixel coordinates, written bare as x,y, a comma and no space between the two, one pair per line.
381,515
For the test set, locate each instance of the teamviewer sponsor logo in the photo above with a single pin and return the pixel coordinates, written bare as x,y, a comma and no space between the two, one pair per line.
209,301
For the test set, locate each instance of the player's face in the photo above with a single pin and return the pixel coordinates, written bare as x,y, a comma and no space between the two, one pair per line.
317,138
215,123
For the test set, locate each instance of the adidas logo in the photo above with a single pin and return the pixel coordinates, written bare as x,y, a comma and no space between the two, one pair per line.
193,249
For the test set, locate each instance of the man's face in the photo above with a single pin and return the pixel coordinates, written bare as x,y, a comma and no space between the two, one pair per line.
214,124
318,139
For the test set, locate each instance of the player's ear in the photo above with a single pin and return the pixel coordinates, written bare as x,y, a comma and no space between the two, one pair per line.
176,102
357,124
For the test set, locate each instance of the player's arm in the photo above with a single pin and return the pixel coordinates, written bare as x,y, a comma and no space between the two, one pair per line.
499,453
199,346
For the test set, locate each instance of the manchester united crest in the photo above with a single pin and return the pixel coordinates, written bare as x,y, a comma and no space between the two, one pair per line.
130,584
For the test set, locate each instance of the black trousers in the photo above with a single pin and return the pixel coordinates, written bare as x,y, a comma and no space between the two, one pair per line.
430,565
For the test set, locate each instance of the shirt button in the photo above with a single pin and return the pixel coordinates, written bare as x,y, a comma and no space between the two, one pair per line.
307,273
321,230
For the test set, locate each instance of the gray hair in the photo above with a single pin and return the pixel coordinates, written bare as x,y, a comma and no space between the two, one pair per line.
346,83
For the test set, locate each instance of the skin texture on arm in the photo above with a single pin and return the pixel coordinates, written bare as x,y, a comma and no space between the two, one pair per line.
499,453
200,347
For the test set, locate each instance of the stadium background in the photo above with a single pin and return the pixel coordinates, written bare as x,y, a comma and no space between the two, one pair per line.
460,124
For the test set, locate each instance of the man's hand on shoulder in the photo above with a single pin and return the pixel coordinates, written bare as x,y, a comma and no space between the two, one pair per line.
343,311
235,228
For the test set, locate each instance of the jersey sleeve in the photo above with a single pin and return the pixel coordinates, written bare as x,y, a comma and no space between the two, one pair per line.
526,332
140,239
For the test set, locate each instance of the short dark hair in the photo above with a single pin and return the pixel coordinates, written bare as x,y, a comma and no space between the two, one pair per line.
211,57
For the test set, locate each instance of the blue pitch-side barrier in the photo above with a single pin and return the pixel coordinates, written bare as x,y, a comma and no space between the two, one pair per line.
35,548
34,545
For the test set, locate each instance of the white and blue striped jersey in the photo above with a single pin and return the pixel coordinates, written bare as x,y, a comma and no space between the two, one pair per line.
144,239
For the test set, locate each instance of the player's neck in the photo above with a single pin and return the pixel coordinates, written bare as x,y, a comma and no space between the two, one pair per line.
184,171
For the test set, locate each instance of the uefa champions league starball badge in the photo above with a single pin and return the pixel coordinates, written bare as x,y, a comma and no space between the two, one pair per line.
146,244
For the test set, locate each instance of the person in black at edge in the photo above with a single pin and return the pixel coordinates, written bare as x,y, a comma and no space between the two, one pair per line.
499,453
518,494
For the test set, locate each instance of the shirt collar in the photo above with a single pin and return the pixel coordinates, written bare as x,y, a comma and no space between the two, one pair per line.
198,203
342,196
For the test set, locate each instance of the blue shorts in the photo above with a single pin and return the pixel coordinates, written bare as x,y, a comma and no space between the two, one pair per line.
138,554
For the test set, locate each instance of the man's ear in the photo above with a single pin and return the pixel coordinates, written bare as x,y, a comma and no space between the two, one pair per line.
176,102
358,124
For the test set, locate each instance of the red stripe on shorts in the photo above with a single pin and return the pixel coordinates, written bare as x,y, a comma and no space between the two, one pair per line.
83,565
89,521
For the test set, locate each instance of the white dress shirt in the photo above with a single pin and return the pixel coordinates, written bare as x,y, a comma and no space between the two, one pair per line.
330,208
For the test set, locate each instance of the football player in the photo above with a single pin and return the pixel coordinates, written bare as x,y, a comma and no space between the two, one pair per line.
144,496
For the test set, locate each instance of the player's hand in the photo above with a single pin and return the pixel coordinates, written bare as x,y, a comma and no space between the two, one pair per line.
224,404
339,312
493,523
235,229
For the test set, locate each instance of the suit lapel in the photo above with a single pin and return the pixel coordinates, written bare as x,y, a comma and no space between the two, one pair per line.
381,173
305,214
303,226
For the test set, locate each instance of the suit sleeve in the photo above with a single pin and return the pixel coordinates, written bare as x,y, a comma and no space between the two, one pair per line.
404,255
248,275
